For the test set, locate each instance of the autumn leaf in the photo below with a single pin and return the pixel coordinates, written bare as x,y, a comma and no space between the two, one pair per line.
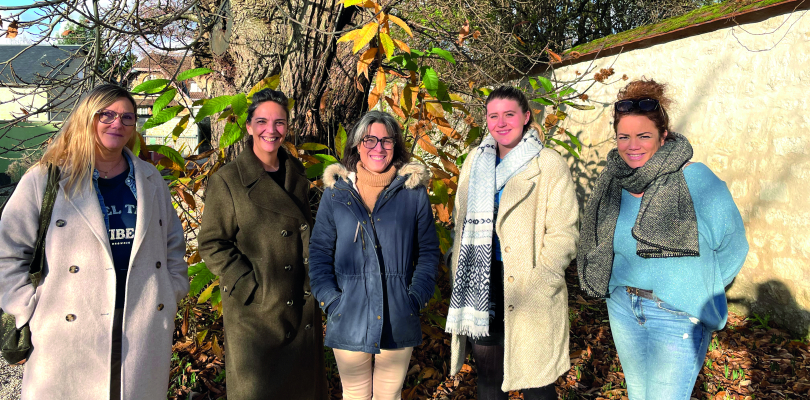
387,44
402,46
426,145
365,61
379,88
463,32
401,24
556,57
395,107
364,37
434,108
449,166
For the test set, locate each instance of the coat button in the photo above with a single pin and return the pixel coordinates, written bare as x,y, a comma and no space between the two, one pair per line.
308,327
289,302
378,220
70,317
322,304
304,227
306,260
511,279
287,267
507,249
160,221
364,222
157,265
60,223
307,293
284,233
378,317
160,307
376,345
349,202
73,269
511,308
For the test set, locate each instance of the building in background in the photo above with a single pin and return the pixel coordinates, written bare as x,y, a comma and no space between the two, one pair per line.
195,138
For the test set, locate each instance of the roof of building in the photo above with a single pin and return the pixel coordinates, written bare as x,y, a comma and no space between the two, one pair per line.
167,64
32,65
702,20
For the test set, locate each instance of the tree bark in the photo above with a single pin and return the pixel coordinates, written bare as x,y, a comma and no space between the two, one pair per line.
292,38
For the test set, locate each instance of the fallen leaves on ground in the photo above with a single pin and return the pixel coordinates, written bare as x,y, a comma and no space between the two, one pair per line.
747,360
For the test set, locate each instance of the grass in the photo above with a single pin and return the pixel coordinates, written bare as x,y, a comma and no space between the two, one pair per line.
701,15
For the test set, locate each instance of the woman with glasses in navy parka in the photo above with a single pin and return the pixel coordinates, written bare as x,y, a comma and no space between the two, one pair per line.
373,258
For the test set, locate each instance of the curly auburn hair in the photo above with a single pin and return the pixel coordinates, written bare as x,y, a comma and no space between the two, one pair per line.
646,89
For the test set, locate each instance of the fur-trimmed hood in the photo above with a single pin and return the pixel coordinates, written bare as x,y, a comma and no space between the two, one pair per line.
415,173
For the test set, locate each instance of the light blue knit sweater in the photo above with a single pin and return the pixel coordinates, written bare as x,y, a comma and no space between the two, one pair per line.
695,285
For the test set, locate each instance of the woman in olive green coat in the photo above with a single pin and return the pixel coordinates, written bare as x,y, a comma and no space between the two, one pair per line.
254,236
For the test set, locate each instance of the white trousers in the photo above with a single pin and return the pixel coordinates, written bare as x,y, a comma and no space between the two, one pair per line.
384,380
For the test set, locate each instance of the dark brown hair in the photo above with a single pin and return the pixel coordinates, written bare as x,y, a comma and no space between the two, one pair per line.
646,89
513,93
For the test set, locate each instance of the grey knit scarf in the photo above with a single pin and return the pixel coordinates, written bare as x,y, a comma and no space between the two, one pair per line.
666,225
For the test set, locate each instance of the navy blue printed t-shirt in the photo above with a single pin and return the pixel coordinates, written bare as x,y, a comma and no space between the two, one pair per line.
121,207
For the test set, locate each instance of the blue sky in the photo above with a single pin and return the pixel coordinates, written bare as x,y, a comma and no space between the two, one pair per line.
28,15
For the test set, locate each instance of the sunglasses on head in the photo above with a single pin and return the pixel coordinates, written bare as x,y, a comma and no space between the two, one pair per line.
630,105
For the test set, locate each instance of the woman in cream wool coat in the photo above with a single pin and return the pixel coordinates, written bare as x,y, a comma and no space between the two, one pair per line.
516,321
73,315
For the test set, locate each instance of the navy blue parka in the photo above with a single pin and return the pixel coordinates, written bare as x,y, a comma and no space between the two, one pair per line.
372,272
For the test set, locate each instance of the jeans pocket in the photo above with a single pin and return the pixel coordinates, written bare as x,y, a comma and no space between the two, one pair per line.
670,309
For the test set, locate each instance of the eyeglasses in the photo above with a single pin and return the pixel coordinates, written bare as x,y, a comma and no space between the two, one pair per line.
370,142
108,117
630,105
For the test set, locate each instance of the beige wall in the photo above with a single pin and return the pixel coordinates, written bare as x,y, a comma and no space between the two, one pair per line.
12,99
743,100
162,134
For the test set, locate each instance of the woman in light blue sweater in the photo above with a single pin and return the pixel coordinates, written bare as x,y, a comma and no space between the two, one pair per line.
661,239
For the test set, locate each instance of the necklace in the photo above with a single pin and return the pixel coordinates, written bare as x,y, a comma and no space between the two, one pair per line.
106,173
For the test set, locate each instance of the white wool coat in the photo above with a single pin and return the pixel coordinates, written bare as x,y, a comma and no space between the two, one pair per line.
536,224
71,355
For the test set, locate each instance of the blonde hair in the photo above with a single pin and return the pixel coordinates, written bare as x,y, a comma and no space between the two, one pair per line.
73,147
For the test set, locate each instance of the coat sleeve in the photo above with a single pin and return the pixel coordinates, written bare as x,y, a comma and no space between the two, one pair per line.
217,242
561,210
427,254
322,256
18,234
175,249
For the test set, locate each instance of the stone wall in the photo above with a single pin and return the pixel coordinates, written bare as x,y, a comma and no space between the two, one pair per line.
743,100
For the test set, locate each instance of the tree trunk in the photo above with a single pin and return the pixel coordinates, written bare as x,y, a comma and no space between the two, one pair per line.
291,38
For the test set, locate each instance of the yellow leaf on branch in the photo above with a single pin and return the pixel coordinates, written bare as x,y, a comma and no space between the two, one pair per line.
365,61
434,108
371,4
349,3
387,44
367,33
379,89
401,24
350,36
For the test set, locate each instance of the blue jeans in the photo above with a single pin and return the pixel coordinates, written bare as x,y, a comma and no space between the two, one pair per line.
660,348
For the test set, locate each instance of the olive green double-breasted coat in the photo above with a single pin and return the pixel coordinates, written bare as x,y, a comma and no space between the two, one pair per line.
255,237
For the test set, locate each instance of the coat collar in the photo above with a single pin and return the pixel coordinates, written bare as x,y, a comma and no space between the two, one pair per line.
264,191
414,174
86,203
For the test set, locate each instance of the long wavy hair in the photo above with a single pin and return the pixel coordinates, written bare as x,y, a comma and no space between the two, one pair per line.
73,149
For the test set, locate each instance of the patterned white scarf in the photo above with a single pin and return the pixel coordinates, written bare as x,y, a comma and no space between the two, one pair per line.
469,303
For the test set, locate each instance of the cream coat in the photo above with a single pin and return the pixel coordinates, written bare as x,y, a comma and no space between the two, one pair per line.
71,360
536,224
